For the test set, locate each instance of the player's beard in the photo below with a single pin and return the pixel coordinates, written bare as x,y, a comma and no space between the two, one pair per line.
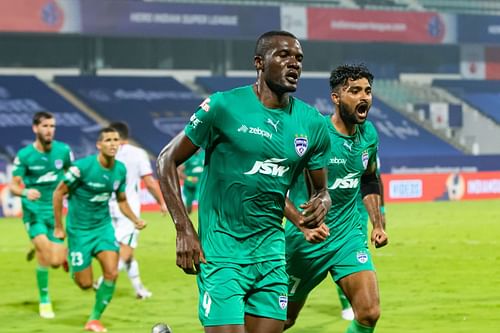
348,116
45,141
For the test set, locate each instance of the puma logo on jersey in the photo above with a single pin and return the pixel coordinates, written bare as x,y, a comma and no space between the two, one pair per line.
273,124
348,145
269,167
347,182
47,178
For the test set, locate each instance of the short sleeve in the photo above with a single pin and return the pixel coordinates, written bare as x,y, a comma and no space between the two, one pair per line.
320,154
72,177
123,183
19,169
201,127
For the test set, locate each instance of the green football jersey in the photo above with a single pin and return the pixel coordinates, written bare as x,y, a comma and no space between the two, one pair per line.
90,188
194,166
42,170
253,155
348,160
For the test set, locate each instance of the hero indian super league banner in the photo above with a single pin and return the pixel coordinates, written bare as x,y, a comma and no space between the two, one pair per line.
137,18
155,108
439,187
383,26
46,16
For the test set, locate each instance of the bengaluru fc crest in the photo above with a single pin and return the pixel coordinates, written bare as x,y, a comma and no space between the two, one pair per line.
300,144
364,159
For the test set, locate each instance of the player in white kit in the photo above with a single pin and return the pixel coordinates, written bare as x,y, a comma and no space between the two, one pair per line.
138,168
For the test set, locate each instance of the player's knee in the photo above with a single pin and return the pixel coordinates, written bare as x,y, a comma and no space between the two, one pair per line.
289,322
111,275
84,284
369,316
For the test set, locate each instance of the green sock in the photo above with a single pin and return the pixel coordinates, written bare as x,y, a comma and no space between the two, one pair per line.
344,302
102,298
42,281
356,327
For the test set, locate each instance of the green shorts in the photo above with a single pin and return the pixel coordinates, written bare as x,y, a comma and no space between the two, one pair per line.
85,244
229,291
39,220
340,260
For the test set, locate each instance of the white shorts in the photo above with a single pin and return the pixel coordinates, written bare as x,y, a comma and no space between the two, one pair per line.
125,231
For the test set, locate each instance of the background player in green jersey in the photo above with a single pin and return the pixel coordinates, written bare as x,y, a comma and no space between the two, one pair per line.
257,141
352,167
89,184
347,312
38,168
191,172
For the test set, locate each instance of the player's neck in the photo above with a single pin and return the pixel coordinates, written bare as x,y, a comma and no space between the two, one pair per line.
342,127
269,98
106,161
41,147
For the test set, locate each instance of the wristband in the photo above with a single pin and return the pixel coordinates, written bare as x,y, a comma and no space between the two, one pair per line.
24,193
382,210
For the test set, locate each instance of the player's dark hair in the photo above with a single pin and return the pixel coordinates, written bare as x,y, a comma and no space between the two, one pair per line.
41,115
340,75
264,41
122,129
106,130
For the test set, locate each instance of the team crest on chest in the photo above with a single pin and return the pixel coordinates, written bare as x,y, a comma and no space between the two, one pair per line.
300,143
58,164
364,159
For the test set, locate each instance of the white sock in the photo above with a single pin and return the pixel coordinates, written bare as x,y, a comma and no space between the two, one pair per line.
133,274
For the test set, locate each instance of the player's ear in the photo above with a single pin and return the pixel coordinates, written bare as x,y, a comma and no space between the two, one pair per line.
258,63
335,98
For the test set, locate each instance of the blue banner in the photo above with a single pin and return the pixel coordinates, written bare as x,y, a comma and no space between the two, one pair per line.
21,97
478,29
155,108
137,18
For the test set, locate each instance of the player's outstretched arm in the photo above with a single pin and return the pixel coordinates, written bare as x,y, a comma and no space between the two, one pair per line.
188,247
121,198
315,210
57,202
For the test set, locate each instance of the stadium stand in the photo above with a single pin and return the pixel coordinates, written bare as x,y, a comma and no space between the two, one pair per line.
23,96
156,108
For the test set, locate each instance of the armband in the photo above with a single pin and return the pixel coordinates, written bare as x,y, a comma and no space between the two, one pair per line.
370,184
382,210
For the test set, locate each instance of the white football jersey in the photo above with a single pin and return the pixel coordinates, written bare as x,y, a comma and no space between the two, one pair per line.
138,165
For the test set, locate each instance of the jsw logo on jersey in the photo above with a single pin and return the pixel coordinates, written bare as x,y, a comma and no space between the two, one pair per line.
347,182
47,178
100,197
269,167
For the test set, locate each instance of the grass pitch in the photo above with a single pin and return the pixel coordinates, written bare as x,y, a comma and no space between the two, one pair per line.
440,273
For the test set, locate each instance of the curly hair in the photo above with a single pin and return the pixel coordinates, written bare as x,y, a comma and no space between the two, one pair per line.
340,75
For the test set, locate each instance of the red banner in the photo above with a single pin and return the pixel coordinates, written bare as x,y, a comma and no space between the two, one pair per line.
438,187
31,16
370,25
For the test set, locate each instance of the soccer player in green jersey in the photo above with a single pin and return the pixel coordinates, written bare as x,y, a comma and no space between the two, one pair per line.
347,313
257,141
89,184
191,173
38,168
342,247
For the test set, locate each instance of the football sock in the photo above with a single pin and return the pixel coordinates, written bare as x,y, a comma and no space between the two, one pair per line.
356,327
42,280
133,274
344,302
102,298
